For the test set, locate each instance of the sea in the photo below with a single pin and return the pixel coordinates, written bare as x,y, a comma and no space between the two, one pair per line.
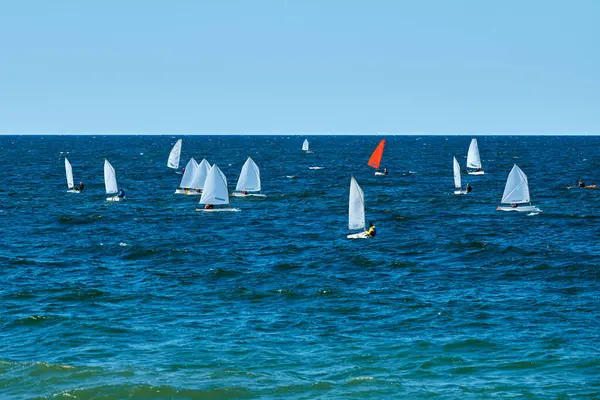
151,299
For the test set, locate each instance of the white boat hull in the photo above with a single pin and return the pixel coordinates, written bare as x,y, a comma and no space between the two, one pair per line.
475,172
115,198
460,192
73,191
315,168
238,194
359,235
379,174
518,209
218,210
190,192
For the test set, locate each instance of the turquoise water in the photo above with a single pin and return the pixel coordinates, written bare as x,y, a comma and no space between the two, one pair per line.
151,299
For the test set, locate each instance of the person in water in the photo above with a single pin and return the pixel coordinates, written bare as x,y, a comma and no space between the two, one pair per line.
121,193
372,231
581,183
208,206
385,171
469,188
81,186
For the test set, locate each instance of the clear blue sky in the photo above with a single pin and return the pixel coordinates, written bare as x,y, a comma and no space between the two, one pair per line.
302,66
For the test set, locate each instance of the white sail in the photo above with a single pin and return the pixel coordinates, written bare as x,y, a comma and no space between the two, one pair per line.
188,175
69,171
517,187
215,188
473,159
305,145
249,179
457,180
174,155
110,178
356,208
200,174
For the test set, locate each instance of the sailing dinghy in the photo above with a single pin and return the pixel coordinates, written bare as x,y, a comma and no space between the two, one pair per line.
457,179
249,181
516,192
185,186
356,211
174,156
110,182
375,159
474,160
215,192
200,174
305,147
69,171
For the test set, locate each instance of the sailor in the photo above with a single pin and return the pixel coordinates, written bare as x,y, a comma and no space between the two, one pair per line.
514,205
372,231
385,171
208,207
81,186
121,193
469,188
581,183
244,192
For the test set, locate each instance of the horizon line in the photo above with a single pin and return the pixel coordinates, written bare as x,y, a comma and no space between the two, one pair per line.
289,134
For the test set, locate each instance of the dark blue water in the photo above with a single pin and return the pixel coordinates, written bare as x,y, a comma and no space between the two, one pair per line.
151,299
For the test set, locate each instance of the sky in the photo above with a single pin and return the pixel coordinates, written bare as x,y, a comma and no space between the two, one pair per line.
302,66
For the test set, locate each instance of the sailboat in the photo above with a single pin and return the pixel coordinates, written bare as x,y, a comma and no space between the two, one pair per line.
174,156
356,211
110,182
516,192
249,181
457,179
200,174
474,160
215,192
188,177
69,171
375,159
305,146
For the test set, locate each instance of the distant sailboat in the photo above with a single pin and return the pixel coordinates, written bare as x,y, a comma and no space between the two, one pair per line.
215,192
249,181
175,155
110,182
375,160
356,211
187,179
457,179
474,160
516,192
305,147
69,171
200,174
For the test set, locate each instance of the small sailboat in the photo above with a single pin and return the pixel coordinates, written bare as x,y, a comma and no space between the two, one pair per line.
516,192
457,179
375,160
474,160
305,147
356,211
174,156
200,174
69,171
185,186
110,182
249,181
215,192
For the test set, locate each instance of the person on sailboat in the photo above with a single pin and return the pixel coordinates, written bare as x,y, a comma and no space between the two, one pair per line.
81,186
208,206
121,193
581,183
469,188
514,205
385,171
372,231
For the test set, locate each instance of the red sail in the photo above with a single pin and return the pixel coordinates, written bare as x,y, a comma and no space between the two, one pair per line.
375,159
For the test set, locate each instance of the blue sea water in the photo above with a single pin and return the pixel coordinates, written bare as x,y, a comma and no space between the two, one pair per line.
149,299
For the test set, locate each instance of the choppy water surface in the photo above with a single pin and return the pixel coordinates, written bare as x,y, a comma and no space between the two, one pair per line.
151,299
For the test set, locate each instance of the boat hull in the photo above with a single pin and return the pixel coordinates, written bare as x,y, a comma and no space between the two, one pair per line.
316,168
212,210
475,172
188,192
115,198
73,191
379,174
460,192
586,187
359,235
518,209
238,194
